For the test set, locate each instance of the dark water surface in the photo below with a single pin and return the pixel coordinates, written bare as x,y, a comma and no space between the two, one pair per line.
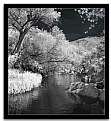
51,98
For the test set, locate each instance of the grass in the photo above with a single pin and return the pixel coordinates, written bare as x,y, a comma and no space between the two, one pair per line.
22,82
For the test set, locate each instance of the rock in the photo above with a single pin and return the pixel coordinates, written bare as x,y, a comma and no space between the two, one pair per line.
100,85
76,85
90,91
75,97
98,78
89,94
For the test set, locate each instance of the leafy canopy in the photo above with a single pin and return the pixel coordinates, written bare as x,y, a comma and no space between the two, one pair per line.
21,18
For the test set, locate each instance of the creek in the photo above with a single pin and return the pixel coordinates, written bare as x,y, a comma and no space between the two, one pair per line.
51,98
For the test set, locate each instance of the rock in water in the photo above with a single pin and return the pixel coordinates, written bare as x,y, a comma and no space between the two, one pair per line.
76,85
89,94
100,85
90,91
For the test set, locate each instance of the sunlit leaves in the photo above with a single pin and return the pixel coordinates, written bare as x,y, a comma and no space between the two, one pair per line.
13,37
57,33
25,17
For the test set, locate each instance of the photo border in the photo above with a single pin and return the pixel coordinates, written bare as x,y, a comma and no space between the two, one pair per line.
54,116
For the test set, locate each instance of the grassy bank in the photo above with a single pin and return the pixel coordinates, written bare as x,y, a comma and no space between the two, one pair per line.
22,82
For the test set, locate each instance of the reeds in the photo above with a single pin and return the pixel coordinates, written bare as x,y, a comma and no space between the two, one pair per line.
22,82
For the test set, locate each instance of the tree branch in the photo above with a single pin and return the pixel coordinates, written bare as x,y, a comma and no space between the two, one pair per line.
33,21
15,20
52,48
25,23
53,61
13,24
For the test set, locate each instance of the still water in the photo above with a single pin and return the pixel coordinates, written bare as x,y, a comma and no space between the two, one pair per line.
50,98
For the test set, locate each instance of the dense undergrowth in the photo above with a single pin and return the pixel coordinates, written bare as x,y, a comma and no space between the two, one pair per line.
22,82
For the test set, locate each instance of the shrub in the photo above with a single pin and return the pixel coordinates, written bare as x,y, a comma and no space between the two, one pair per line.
12,59
13,36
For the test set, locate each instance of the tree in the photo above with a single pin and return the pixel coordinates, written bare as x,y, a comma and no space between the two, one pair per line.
92,15
22,19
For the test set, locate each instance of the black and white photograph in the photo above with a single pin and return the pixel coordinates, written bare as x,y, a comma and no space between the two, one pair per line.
56,61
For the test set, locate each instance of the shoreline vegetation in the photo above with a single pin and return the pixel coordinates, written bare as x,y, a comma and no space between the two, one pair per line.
22,82
26,80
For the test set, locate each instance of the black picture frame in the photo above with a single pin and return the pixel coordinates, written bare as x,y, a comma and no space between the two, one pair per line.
66,116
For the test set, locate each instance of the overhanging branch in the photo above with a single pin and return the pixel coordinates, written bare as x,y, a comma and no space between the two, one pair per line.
54,61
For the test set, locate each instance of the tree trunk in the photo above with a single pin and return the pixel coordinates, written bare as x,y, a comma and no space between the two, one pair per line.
17,47
21,37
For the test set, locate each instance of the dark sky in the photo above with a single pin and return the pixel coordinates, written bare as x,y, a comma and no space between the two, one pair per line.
71,24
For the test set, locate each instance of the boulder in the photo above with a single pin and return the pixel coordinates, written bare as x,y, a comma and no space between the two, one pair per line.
89,94
90,91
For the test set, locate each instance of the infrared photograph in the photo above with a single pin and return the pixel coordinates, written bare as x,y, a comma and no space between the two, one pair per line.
56,61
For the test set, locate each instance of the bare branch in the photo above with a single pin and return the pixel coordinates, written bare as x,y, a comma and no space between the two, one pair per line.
15,19
33,21
13,24
64,60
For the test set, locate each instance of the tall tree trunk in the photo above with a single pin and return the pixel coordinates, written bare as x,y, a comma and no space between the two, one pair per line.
17,47
21,37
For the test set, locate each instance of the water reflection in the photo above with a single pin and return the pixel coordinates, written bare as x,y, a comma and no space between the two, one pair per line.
66,79
20,102
53,98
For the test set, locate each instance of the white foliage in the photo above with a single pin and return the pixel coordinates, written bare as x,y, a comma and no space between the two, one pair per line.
22,82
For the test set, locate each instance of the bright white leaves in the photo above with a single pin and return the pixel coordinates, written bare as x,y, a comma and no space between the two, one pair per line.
22,82
45,41
54,46
26,17
11,60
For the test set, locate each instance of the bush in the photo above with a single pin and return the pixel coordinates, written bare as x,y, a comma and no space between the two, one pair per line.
12,59
13,36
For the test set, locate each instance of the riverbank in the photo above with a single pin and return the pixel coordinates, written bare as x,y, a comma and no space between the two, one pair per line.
93,90
92,96
21,82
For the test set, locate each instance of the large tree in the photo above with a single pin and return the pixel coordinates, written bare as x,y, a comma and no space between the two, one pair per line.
22,19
